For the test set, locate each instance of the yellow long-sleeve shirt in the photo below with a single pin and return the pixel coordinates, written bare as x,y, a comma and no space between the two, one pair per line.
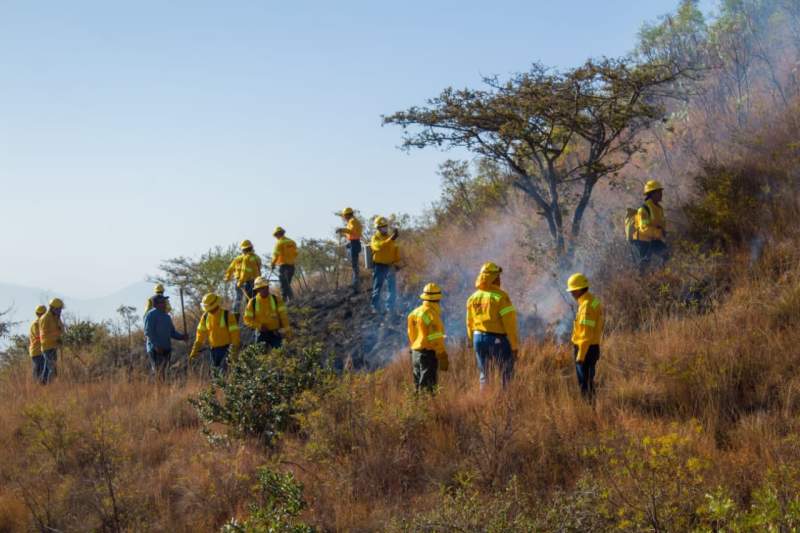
425,328
219,329
245,267
35,344
269,312
354,230
651,223
384,250
489,310
149,305
588,326
50,330
285,252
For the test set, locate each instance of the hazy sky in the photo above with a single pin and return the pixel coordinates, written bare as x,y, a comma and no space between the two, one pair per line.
132,132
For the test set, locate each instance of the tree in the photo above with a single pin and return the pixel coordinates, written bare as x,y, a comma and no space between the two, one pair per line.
198,276
557,134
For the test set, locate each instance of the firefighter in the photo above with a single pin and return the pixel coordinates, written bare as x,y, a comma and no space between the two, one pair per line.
385,259
244,269
51,329
35,344
284,256
266,314
353,231
220,329
587,333
426,339
651,227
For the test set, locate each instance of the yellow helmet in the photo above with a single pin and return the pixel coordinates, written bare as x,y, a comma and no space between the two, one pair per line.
245,244
278,231
40,310
577,282
56,303
490,268
260,283
347,211
653,185
158,289
210,301
381,222
431,293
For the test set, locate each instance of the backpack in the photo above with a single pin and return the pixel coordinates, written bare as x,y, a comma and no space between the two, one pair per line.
631,218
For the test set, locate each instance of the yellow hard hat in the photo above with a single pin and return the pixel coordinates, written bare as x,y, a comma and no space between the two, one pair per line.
577,282
158,289
210,301
347,211
381,222
260,283
56,303
490,268
653,185
40,310
431,293
278,230
245,244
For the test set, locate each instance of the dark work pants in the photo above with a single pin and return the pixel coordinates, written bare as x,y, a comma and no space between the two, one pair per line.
354,251
424,365
159,363
49,368
646,251
38,366
586,370
286,273
243,293
272,339
383,274
493,350
218,357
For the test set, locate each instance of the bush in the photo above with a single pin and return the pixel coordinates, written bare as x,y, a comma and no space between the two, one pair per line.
261,394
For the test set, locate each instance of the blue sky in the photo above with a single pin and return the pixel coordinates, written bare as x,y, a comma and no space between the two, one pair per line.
137,131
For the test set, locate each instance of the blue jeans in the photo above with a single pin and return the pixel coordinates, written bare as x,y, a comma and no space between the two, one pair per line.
49,367
493,350
38,366
219,358
242,294
354,251
586,370
380,274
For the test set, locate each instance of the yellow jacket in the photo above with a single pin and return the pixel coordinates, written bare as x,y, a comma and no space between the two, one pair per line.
489,310
219,329
588,327
271,314
285,252
245,267
650,222
425,328
354,229
35,346
50,330
149,305
384,250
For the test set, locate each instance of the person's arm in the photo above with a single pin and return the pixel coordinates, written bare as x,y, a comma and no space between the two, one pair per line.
149,327
231,270
411,329
582,334
200,338
33,337
258,264
470,322
250,313
436,335
276,252
508,314
174,333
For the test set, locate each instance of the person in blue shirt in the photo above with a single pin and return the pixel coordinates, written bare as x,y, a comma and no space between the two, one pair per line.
159,332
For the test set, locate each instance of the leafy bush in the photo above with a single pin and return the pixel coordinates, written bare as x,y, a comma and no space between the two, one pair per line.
260,395
280,503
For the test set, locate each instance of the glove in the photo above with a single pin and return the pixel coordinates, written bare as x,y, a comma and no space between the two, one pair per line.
395,234
444,361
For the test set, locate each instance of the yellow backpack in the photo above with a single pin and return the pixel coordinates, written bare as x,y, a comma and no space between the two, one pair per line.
631,219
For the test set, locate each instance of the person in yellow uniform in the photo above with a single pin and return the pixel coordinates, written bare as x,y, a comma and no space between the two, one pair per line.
35,344
284,256
587,333
353,231
245,268
426,339
492,325
385,259
266,314
158,290
51,328
220,329
651,227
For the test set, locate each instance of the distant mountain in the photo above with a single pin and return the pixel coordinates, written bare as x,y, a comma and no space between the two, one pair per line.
23,300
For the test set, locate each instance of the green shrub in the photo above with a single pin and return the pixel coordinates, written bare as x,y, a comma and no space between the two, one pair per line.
261,394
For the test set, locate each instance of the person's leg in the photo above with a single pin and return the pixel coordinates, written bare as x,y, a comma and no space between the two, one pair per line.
416,368
289,279
580,372
506,361
428,368
38,367
391,285
378,277
482,355
152,358
163,364
591,365
219,358
238,296
355,251
49,372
